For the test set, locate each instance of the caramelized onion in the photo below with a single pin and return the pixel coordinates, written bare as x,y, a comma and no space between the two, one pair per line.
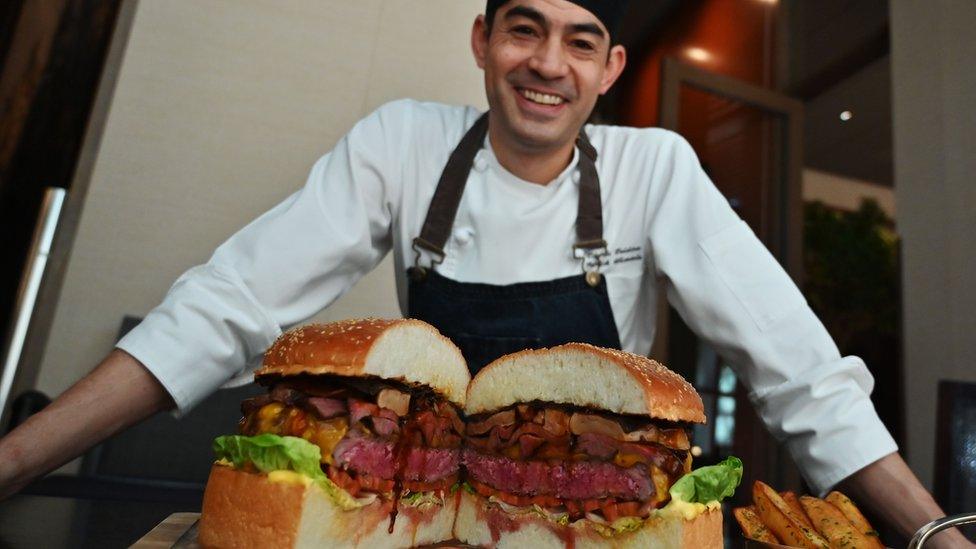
672,438
395,400
587,423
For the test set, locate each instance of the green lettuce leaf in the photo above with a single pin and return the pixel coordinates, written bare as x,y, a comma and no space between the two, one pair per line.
712,483
420,499
269,452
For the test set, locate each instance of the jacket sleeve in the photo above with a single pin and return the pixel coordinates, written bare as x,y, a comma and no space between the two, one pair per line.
732,292
217,319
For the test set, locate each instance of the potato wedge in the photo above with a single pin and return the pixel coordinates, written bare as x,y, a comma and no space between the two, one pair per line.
752,526
854,515
833,525
794,503
783,521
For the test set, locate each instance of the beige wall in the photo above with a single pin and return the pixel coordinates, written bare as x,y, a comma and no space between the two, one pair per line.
845,193
220,108
933,85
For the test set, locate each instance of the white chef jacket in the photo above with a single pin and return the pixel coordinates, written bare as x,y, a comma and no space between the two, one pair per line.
664,221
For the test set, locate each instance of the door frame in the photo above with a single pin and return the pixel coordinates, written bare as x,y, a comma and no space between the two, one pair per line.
781,232
784,237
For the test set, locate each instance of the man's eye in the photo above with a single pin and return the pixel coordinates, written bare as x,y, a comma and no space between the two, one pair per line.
523,30
583,45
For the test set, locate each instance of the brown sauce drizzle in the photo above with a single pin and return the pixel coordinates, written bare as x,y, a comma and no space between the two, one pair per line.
399,463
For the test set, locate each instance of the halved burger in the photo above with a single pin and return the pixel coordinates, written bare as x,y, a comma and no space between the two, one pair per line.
356,444
578,445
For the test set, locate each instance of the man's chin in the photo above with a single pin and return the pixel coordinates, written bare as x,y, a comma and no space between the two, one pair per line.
542,136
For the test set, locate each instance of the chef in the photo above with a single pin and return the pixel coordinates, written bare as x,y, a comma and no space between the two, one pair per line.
516,228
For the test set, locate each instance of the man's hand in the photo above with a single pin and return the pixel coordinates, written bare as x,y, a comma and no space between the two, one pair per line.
892,491
118,393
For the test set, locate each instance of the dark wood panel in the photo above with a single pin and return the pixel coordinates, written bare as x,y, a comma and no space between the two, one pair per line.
47,86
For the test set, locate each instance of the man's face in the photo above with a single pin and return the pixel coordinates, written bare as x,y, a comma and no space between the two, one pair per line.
546,62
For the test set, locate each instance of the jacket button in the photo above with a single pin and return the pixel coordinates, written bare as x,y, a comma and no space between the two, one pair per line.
480,164
463,235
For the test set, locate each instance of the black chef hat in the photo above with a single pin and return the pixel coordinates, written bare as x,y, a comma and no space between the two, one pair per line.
608,12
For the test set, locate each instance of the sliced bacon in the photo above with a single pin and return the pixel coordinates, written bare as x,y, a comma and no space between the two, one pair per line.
530,428
427,422
654,454
325,408
499,437
385,427
446,410
529,443
672,438
285,395
556,421
597,445
505,417
386,414
358,409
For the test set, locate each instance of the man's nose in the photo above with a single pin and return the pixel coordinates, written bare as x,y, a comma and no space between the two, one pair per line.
549,60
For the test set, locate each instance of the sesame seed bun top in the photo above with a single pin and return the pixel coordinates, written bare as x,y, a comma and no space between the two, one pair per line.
589,376
405,350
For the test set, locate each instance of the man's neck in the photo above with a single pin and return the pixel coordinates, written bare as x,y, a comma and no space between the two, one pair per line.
535,166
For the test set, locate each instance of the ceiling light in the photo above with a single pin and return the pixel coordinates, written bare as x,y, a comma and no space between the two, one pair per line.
846,115
698,54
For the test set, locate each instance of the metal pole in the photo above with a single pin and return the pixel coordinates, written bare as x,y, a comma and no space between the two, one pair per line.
30,283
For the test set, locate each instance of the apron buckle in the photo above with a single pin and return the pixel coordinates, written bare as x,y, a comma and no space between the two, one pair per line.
591,254
418,272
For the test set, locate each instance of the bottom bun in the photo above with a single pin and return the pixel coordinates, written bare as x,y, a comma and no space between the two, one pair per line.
486,524
247,510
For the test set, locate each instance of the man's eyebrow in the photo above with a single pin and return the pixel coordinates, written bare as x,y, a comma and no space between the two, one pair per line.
540,19
529,13
589,28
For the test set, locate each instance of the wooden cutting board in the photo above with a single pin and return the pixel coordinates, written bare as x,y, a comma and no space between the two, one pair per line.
179,531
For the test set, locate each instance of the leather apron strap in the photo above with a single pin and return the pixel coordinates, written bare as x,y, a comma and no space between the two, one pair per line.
590,246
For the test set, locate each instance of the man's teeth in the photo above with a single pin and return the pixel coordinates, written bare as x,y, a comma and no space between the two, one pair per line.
543,98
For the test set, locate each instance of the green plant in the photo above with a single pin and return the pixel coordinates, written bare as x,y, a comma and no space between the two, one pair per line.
851,270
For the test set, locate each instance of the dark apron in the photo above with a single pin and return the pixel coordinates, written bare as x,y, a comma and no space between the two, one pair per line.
487,321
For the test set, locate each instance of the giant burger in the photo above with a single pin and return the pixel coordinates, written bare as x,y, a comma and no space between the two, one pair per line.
356,444
582,446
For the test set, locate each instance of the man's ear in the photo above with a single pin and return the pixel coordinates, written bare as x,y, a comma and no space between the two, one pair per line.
615,65
479,41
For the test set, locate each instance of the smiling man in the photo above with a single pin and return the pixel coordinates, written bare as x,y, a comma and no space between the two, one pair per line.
522,227
545,65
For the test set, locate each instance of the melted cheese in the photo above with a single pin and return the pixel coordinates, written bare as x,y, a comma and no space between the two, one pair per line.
289,477
268,417
686,510
326,434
